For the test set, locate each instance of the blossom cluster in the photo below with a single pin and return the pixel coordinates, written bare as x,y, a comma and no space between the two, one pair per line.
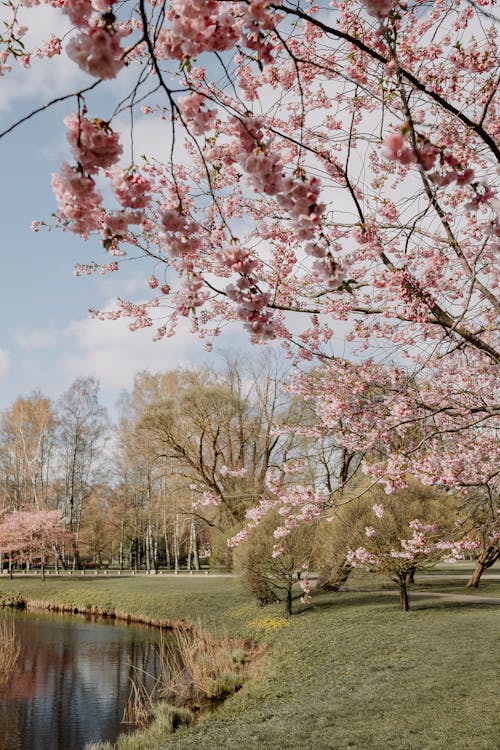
395,148
97,50
78,200
193,110
93,144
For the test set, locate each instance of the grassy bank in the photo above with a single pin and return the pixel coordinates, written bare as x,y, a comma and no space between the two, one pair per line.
352,671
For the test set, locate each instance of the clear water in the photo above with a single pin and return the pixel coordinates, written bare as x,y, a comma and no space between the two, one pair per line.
71,681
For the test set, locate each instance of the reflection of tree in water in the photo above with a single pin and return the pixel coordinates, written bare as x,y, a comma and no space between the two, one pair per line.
148,672
71,682
189,669
9,650
9,655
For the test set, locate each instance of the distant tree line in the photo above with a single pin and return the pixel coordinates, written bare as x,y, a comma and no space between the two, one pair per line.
197,455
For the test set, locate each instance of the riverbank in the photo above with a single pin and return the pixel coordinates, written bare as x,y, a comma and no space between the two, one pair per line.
351,671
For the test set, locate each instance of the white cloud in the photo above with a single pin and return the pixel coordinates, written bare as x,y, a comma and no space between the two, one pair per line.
47,77
111,352
151,136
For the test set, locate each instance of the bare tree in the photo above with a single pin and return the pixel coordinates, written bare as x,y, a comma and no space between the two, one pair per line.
81,426
27,440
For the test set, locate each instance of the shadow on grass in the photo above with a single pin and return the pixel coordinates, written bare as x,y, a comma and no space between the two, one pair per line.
421,604
343,599
419,600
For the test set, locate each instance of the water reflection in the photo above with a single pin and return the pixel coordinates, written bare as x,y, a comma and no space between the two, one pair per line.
71,681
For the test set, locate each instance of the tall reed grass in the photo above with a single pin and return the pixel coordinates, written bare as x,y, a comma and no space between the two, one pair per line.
10,648
194,669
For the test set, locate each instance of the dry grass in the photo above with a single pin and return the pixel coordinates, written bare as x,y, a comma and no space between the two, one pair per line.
203,667
194,668
9,649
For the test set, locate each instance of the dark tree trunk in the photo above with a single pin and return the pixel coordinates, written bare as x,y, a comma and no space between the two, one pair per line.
485,560
410,576
288,602
403,592
77,561
334,581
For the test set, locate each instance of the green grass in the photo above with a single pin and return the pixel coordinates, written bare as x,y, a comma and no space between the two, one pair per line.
351,671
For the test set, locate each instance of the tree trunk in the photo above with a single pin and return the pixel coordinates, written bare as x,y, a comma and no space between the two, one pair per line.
176,543
333,581
196,556
147,547
473,581
403,592
167,553
190,548
156,564
485,560
288,602
77,561
410,576
58,558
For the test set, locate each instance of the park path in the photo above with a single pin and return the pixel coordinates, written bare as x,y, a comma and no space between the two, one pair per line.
467,599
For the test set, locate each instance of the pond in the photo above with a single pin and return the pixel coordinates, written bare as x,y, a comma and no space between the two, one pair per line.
71,680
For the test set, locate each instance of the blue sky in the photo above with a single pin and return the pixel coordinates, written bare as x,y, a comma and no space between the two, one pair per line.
47,339
46,336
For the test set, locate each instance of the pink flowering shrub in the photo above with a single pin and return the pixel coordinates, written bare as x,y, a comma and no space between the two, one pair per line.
394,536
275,571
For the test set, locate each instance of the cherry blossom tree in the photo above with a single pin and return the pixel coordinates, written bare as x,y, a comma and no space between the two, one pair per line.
386,551
29,536
482,543
330,181
272,576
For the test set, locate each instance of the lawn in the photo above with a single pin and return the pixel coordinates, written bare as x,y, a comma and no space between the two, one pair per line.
350,671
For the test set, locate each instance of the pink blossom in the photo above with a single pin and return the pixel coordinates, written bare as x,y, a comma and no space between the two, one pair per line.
78,201
361,556
396,149
97,51
79,11
196,26
379,510
237,538
208,499
131,189
193,110
117,223
51,47
191,295
379,8
93,143
152,282
306,589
